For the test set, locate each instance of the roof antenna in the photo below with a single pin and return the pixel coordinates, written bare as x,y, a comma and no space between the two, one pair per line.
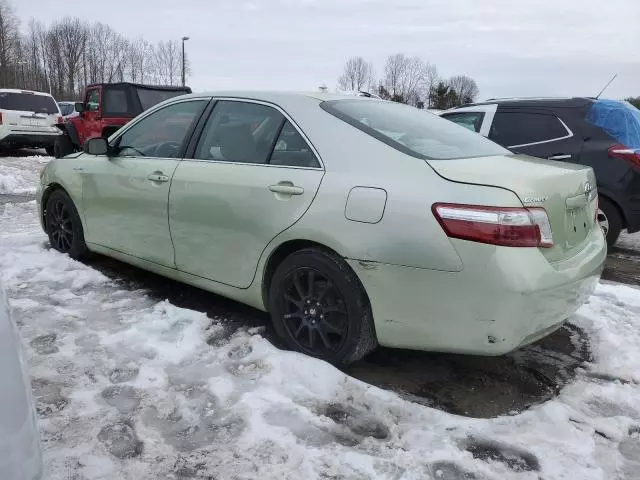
606,86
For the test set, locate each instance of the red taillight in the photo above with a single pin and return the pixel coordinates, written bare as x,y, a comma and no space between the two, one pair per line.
0,118
60,119
624,153
505,226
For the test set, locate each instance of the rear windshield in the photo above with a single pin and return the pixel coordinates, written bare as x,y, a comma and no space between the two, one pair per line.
66,108
150,97
413,131
28,102
621,120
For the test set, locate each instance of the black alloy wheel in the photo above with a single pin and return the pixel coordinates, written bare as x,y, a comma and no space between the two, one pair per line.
315,314
63,225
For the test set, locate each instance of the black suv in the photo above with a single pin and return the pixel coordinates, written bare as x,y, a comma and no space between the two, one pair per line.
603,134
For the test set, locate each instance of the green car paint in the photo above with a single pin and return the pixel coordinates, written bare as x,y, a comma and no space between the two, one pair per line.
216,225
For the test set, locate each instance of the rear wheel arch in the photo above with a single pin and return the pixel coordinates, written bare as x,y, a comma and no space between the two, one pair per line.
314,255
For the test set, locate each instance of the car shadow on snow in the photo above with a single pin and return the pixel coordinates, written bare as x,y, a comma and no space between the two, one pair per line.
465,385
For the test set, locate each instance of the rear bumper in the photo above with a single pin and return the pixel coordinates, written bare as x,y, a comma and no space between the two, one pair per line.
504,298
28,139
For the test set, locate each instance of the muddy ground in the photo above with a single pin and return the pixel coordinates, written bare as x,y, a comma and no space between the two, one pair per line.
464,385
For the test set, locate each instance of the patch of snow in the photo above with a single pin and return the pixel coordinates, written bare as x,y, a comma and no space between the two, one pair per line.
128,388
19,175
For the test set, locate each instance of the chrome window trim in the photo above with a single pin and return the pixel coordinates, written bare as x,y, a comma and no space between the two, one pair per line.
569,135
286,116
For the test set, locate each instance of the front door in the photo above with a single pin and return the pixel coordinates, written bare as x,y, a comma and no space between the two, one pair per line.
253,175
92,115
125,194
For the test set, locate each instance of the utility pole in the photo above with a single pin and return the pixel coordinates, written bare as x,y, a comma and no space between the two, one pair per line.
184,39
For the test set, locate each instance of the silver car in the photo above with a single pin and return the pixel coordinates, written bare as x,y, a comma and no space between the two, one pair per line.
20,457
353,221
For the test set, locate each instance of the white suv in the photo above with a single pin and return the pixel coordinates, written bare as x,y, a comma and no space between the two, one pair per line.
28,119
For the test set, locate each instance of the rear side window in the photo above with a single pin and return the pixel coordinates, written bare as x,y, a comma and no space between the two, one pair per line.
150,97
516,129
412,131
117,102
28,102
292,150
621,120
469,120
240,132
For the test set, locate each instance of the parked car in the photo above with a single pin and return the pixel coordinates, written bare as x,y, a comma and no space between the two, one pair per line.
602,134
353,221
68,109
19,436
106,108
28,120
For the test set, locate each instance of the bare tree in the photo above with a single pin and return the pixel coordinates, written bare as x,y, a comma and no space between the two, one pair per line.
408,79
72,37
464,87
9,40
168,62
357,76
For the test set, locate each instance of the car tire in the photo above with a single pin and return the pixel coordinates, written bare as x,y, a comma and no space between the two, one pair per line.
51,151
610,220
63,225
63,146
319,307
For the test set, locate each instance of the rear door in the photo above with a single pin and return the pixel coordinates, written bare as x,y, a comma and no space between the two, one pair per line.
538,133
253,175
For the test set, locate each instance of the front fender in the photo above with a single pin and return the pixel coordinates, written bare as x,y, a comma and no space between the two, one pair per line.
71,130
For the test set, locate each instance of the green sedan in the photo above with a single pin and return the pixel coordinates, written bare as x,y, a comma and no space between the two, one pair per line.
354,222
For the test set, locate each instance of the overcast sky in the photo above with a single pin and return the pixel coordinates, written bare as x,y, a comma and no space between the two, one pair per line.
511,47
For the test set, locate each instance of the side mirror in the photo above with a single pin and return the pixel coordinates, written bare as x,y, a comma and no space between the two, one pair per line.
96,146
79,107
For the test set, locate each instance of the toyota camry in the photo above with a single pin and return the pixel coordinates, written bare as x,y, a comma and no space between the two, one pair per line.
354,222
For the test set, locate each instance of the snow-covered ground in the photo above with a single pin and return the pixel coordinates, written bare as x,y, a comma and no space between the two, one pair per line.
131,388
19,175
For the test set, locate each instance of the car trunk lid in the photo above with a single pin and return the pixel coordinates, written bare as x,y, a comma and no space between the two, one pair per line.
566,191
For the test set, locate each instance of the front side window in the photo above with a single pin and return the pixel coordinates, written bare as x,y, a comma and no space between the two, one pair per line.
411,131
469,120
240,132
162,134
93,100
513,129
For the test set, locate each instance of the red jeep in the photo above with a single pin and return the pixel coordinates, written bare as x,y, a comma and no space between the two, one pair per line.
106,108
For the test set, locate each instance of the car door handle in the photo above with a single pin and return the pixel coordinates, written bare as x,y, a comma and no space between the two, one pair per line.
286,189
561,156
158,177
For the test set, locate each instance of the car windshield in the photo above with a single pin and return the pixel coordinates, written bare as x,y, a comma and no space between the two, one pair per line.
413,131
150,97
621,120
66,108
28,102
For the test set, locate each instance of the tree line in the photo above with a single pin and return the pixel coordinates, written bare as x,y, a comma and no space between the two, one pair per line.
408,80
64,57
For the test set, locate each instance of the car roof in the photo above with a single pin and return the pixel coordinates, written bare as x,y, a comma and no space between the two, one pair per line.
140,85
562,102
18,90
281,96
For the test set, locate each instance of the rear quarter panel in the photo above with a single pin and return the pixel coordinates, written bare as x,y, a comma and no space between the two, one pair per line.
408,233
